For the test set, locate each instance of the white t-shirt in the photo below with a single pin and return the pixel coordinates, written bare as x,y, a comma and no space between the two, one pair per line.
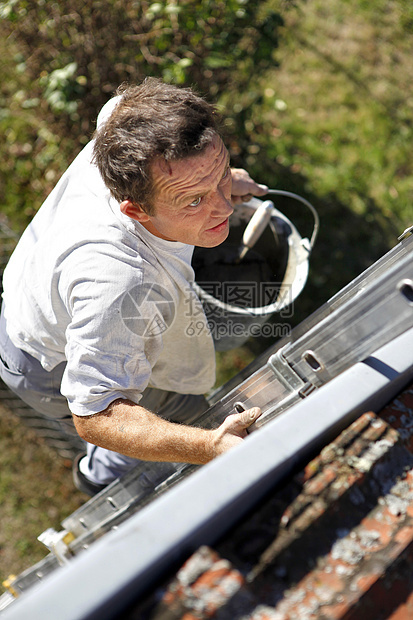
90,285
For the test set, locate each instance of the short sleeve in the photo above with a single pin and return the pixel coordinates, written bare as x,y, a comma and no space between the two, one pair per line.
106,360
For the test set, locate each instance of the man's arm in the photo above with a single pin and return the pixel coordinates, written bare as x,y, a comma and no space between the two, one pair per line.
134,431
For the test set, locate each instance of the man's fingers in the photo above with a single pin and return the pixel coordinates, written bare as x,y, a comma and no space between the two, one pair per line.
237,423
249,416
243,186
261,190
238,200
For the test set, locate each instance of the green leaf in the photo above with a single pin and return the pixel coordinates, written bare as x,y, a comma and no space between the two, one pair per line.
216,62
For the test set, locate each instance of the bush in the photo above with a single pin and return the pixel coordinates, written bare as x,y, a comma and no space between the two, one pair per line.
70,56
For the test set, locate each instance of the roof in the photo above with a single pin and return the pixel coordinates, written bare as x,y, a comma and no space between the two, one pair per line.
336,542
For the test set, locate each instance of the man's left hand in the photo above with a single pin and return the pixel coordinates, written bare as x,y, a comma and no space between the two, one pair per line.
243,187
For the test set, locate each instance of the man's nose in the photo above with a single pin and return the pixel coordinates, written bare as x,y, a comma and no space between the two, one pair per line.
222,205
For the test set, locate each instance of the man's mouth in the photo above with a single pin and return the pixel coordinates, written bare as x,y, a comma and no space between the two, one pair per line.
218,227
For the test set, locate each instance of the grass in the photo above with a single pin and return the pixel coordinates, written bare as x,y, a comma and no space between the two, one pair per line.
36,492
338,124
347,126
335,125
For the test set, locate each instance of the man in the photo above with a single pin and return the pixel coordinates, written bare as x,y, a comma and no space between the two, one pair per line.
98,296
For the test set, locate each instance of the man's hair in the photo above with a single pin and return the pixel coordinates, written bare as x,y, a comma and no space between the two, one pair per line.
152,120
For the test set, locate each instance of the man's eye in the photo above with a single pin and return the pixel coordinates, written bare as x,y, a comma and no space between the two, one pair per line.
195,202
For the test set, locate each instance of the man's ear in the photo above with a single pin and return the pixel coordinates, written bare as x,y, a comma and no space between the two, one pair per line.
134,211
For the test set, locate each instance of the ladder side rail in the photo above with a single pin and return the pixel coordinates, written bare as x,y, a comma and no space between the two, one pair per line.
381,311
348,292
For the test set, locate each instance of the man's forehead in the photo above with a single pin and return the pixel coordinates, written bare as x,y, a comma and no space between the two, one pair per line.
190,170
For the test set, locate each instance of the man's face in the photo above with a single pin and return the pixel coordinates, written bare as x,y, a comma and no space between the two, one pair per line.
192,198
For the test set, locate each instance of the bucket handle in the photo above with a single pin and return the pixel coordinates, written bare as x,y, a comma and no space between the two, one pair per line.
281,192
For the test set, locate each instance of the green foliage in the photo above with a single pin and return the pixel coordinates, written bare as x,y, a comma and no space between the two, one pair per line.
62,89
36,492
80,52
71,56
31,156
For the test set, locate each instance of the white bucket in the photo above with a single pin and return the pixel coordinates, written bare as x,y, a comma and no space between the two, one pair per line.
237,309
